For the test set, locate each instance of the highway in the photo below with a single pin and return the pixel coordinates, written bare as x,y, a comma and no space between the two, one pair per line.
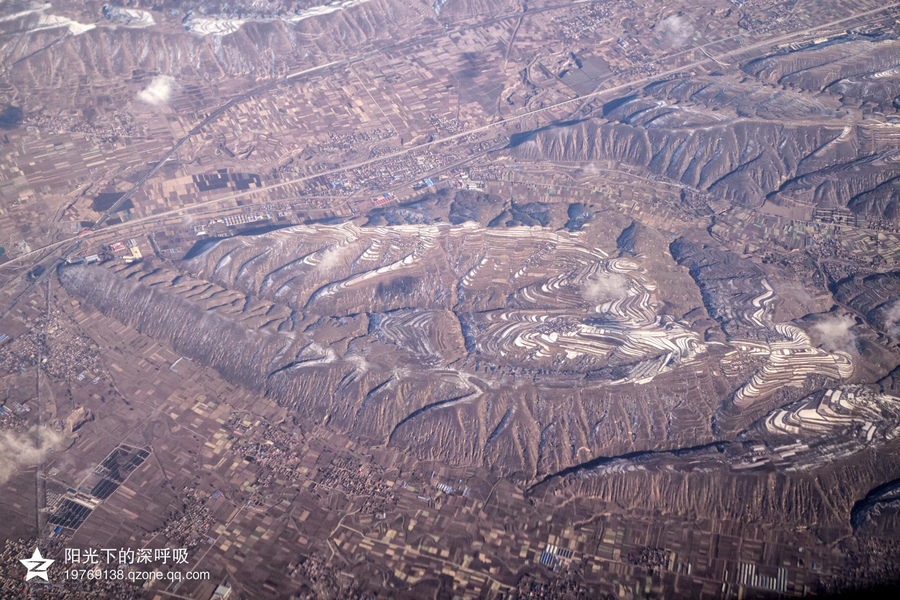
70,245
499,123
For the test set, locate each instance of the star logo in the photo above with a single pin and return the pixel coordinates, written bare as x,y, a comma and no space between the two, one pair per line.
37,566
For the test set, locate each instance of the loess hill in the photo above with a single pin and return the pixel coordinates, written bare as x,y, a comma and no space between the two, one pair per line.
593,362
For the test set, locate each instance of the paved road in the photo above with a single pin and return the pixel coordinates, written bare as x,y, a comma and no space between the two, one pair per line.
429,38
768,42
300,74
499,123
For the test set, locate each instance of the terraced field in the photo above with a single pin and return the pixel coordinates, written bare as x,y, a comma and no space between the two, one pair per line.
462,325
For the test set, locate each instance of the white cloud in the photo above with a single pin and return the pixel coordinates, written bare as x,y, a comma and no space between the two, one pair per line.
675,31
20,450
835,332
603,287
158,92
892,320
330,258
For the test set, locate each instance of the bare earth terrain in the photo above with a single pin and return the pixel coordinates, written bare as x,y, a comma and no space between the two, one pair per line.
451,299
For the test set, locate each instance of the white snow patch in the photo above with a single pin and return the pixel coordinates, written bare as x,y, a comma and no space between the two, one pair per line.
318,11
128,17
54,21
225,26
24,13
212,26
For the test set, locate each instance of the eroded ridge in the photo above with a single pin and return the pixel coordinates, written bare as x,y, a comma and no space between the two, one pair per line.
462,325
